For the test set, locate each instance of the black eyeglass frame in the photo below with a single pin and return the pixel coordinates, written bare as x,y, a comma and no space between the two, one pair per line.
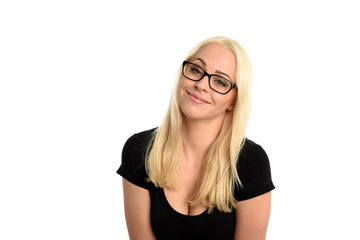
233,85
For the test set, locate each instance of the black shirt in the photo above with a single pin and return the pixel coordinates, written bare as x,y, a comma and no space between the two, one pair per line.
254,172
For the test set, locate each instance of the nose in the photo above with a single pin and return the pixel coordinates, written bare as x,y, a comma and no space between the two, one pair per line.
202,85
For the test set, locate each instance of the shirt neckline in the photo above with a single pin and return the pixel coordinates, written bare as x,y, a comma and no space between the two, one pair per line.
178,213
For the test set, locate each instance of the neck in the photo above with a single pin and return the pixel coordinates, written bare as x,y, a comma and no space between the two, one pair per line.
198,135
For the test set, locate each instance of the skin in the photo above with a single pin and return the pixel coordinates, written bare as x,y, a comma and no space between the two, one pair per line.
203,111
137,211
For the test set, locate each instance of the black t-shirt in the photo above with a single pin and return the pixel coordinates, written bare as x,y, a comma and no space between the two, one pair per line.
254,172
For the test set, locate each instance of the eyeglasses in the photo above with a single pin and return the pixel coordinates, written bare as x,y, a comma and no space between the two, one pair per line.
217,83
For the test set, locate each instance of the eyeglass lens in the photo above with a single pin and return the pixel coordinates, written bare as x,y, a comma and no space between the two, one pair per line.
217,83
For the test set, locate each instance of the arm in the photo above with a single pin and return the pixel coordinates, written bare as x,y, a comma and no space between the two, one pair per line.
252,218
137,212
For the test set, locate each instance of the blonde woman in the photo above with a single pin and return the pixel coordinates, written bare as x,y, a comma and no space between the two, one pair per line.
197,176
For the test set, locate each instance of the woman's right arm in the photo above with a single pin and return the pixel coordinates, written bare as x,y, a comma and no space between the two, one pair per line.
137,212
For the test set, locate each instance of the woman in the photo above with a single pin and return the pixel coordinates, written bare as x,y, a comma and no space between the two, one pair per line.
197,176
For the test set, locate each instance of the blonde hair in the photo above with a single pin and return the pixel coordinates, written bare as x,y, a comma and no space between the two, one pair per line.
219,176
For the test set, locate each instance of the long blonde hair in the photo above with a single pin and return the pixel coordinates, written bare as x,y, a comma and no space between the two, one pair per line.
220,175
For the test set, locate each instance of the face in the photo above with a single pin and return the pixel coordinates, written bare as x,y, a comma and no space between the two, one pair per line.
196,99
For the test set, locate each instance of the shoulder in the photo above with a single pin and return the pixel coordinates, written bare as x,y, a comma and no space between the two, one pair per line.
136,145
141,138
138,142
253,157
254,171
133,158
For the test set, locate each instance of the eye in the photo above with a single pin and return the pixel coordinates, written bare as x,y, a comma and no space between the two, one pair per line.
195,70
221,82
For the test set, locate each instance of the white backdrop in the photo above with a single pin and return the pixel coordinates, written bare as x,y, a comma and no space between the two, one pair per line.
78,78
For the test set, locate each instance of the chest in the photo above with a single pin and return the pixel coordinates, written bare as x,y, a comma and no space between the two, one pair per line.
178,199
167,223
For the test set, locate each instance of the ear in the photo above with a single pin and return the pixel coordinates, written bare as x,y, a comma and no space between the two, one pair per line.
231,107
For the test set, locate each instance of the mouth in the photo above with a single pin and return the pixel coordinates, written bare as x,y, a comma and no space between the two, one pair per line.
197,99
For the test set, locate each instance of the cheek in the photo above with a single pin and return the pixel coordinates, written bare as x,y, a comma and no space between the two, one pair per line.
181,93
181,85
184,82
225,100
233,96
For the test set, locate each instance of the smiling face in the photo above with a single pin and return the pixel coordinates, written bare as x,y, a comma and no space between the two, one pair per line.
196,99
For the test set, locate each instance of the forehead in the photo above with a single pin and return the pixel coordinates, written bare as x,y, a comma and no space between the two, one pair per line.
217,58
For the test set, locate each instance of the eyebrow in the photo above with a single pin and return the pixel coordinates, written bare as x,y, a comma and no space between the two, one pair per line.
201,60
217,71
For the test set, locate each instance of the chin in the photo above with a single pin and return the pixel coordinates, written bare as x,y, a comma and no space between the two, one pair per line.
195,114
191,114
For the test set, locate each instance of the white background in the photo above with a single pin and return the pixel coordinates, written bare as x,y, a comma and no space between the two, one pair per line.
78,78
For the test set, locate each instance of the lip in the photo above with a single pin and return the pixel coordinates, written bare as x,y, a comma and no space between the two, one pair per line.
196,98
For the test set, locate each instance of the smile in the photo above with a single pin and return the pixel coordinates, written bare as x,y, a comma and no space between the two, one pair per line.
196,99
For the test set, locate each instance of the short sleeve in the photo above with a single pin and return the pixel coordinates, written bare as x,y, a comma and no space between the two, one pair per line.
132,166
253,167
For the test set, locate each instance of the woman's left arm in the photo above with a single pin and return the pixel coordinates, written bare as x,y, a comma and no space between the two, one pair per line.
252,218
